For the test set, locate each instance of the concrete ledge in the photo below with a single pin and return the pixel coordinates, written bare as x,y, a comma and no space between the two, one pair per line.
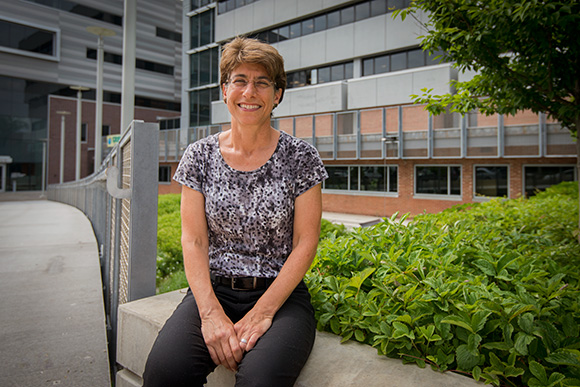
330,364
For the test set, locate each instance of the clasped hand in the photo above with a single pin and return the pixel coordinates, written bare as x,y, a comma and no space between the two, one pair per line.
227,341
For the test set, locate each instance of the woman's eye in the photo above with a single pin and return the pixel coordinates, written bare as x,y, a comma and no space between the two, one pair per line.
240,82
262,84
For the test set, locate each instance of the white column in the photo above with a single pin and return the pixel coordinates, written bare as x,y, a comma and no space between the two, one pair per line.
128,83
63,114
79,127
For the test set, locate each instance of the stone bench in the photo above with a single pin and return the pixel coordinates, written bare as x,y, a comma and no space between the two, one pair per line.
330,364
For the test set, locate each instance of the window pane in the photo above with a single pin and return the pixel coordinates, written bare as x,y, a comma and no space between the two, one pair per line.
399,61
368,67
320,23
354,178
337,72
348,70
382,64
333,19
194,68
431,58
396,4
215,65
324,75
416,58
378,7
283,33
540,178
294,30
491,181
455,180
307,26
363,11
431,180
373,179
206,28
346,123
21,37
194,28
347,15
393,182
337,178
204,67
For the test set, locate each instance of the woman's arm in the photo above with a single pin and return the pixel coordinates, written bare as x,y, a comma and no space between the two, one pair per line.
307,214
217,329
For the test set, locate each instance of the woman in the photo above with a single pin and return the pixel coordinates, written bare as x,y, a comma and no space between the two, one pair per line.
251,209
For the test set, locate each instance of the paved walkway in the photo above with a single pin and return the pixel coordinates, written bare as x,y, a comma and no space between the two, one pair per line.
52,325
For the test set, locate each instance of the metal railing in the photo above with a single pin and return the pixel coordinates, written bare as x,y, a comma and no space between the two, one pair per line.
120,200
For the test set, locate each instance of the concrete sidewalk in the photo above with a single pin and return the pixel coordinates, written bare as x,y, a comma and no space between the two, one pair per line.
52,324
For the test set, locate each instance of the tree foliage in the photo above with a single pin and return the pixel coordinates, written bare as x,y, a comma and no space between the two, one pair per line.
526,54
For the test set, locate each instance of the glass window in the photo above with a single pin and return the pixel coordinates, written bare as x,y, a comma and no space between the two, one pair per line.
337,72
295,30
431,58
438,180
368,68
373,179
164,174
346,123
206,28
362,11
194,70
214,65
307,26
283,33
396,4
194,30
347,15
84,132
491,181
337,178
354,178
324,74
333,19
393,179
382,64
378,7
204,67
540,178
348,70
320,23
26,38
399,61
416,58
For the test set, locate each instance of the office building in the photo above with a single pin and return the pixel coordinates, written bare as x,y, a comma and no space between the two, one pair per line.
45,48
351,70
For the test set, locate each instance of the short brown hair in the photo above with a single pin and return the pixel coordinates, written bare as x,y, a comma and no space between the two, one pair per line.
246,50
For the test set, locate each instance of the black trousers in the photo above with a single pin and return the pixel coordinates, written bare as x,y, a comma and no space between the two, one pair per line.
179,356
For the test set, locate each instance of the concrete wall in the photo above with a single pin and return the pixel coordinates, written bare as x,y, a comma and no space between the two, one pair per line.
330,364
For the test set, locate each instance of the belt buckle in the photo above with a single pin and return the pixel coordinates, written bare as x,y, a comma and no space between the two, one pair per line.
234,280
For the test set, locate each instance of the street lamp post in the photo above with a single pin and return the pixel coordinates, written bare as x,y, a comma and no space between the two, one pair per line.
79,90
101,32
63,115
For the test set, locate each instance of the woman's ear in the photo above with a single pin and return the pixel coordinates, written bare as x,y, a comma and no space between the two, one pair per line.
225,93
277,96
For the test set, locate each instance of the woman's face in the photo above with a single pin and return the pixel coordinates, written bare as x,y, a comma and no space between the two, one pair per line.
250,95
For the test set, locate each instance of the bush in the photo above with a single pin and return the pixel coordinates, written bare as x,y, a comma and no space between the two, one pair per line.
169,253
489,290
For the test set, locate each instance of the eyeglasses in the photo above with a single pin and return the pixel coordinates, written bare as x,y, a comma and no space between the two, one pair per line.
259,84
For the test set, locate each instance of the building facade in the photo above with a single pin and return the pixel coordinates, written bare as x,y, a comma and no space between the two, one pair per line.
351,70
46,48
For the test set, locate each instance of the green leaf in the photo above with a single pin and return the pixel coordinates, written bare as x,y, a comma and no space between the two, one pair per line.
555,378
486,267
456,320
564,357
473,343
476,373
465,359
539,372
359,335
522,342
526,322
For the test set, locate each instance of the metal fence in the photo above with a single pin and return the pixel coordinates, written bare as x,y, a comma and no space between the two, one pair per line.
120,200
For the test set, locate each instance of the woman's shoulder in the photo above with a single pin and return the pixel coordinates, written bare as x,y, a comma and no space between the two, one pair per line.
295,144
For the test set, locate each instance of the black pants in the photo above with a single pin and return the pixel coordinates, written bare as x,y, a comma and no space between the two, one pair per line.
180,357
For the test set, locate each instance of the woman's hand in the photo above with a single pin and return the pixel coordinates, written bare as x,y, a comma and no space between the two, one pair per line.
222,342
251,327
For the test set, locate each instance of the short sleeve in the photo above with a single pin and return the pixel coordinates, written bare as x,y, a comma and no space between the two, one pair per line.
190,170
311,171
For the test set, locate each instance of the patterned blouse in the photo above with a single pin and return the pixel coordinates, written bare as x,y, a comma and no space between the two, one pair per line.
250,215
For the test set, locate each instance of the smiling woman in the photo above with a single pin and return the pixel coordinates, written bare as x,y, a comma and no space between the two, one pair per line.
250,208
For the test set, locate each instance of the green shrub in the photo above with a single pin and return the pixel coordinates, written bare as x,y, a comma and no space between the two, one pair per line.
328,228
169,253
489,290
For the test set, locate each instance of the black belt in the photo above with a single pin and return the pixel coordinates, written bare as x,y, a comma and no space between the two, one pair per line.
242,283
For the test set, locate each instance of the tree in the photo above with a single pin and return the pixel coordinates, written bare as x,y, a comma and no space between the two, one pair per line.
526,55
